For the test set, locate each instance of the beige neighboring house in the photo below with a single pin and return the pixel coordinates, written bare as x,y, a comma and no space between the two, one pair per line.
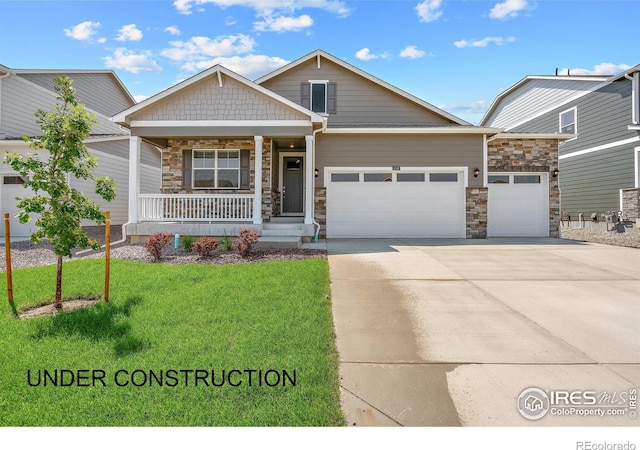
24,91
320,148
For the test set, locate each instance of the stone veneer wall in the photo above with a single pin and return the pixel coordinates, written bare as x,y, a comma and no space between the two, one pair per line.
529,155
477,212
631,203
320,210
172,167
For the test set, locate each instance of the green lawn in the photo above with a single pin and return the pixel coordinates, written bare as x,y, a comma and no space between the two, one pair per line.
173,321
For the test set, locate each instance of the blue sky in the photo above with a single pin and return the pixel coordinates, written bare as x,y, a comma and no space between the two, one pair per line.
455,54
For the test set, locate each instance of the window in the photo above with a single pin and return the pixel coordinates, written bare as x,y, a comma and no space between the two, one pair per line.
443,177
377,177
498,179
216,169
319,96
14,180
526,179
345,177
568,121
409,177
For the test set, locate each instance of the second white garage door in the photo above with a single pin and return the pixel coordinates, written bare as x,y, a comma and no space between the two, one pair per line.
420,203
10,189
518,205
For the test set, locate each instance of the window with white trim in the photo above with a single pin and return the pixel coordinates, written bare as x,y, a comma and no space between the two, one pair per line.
568,121
216,169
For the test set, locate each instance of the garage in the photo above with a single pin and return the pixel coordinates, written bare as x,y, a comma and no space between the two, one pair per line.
518,205
412,202
10,189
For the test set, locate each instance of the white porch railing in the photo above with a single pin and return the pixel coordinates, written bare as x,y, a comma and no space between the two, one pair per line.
195,207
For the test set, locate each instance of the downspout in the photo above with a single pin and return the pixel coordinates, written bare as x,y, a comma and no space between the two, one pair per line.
313,154
102,247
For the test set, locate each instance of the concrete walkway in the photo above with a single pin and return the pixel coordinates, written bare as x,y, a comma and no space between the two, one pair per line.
450,332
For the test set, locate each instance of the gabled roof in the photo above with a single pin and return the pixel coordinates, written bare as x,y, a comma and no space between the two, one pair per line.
322,54
580,85
124,117
69,72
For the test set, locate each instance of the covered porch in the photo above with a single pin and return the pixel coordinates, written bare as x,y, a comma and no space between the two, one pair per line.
234,155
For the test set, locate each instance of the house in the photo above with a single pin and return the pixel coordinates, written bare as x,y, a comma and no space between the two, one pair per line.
600,164
321,148
23,91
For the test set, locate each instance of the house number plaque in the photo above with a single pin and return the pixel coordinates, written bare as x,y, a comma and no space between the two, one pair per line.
395,167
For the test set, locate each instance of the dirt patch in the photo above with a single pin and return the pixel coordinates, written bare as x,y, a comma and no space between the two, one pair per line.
50,310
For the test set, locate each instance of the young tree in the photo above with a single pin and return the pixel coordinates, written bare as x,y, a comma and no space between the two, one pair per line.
60,207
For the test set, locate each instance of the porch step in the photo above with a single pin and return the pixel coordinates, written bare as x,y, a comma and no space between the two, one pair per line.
281,226
282,229
279,242
280,220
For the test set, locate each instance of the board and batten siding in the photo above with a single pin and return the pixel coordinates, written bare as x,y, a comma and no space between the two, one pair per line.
20,101
534,96
97,91
591,182
343,150
359,101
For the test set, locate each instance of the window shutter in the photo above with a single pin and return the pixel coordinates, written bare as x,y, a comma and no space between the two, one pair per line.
186,169
305,95
245,169
332,98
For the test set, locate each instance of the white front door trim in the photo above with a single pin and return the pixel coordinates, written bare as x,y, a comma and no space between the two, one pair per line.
283,155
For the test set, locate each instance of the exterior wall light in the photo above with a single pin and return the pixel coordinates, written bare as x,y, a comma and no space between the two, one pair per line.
476,172
316,173
555,173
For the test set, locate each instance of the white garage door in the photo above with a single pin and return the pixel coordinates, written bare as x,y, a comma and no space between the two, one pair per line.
10,189
518,205
410,203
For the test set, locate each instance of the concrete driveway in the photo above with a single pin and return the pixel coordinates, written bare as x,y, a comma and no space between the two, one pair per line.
451,332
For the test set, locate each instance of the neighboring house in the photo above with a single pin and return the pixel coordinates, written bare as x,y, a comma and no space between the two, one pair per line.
320,147
23,91
600,165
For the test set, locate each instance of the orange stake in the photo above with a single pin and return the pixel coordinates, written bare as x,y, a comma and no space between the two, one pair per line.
107,243
7,251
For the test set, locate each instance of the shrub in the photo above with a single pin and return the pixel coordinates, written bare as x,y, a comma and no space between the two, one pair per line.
245,240
187,244
205,246
156,243
225,243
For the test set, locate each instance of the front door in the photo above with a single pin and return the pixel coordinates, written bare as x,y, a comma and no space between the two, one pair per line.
292,189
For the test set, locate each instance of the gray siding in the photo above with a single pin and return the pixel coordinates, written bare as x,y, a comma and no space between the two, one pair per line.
206,100
591,182
359,102
21,99
399,150
534,96
98,91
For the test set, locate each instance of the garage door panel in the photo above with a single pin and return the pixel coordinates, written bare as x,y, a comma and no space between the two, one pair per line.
396,209
10,190
518,209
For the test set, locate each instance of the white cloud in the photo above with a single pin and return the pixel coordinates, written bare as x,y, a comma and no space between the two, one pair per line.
131,61
366,55
139,98
478,107
429,10
175,31
201,47
83,31
483,42
508,9
129,33
263,7
281,24
605,68
250,66
412,52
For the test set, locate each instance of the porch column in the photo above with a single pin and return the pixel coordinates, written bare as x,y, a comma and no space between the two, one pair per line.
135,144
309,181
257,200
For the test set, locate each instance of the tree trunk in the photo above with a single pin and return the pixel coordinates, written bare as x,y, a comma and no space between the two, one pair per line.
58,303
